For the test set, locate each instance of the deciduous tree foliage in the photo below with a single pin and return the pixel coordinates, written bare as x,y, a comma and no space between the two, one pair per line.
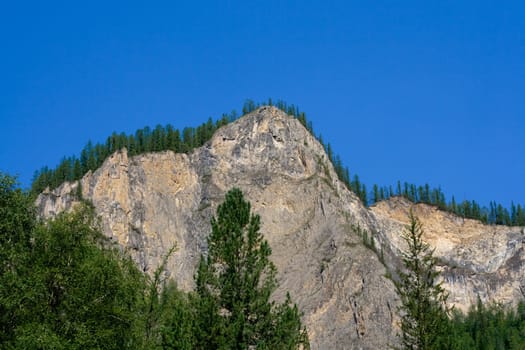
61,285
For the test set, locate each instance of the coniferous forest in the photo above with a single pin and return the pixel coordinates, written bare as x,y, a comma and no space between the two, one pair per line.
163,138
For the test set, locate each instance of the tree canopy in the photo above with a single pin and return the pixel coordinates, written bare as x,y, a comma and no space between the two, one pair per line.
61,285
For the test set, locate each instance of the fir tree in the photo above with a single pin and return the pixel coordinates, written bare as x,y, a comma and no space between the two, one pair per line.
423,300
235,283
376,194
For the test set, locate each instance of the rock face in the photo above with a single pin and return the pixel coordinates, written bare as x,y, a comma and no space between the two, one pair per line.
476,260
150,202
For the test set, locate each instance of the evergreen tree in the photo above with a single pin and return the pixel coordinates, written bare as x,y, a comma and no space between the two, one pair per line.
329,152
249,106
376,195
363,195
453,205
426,196
131,145
346,177
77,170
423,307
235,283
517,216
91,160
356,185
187,139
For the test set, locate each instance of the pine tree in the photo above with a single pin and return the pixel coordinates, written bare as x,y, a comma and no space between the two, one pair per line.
423,300
520,216
376,194
453,205
77,170
329,151
235,282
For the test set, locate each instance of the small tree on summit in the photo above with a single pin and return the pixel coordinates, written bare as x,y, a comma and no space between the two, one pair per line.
234,285
423,301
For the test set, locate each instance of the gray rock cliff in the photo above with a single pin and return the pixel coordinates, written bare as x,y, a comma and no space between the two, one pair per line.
150,202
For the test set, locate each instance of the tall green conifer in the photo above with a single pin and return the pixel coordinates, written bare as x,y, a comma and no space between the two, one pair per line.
235,283
423,300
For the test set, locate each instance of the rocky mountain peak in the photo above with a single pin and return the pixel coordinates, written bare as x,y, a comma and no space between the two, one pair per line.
314,224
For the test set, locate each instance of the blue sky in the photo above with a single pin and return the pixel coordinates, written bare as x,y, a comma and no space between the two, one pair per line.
421,91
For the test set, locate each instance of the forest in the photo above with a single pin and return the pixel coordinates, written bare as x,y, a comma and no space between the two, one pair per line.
163,138
64,285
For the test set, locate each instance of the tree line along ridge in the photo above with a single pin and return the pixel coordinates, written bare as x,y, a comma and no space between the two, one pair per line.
163,138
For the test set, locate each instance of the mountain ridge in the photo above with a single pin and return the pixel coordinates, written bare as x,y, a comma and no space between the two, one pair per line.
313,223
147,140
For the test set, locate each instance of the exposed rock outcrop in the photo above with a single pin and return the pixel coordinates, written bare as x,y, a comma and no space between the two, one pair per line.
476,260
150,202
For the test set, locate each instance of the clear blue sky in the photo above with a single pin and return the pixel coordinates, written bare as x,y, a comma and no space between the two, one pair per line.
422,91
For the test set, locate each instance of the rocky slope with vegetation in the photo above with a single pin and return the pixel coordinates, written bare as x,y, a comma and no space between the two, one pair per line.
329,249
475,260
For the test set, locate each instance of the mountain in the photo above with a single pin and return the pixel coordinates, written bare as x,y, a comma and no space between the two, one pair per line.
333,255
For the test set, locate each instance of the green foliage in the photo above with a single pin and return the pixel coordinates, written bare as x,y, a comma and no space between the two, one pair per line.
178,319
423,310
234,285
495,214
157,304
17,217
64,286
61,285
492,327
17,221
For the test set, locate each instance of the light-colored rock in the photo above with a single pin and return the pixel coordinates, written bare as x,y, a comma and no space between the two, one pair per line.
150,202
476,260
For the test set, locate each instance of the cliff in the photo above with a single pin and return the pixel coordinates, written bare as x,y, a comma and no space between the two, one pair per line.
475,260
150,202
